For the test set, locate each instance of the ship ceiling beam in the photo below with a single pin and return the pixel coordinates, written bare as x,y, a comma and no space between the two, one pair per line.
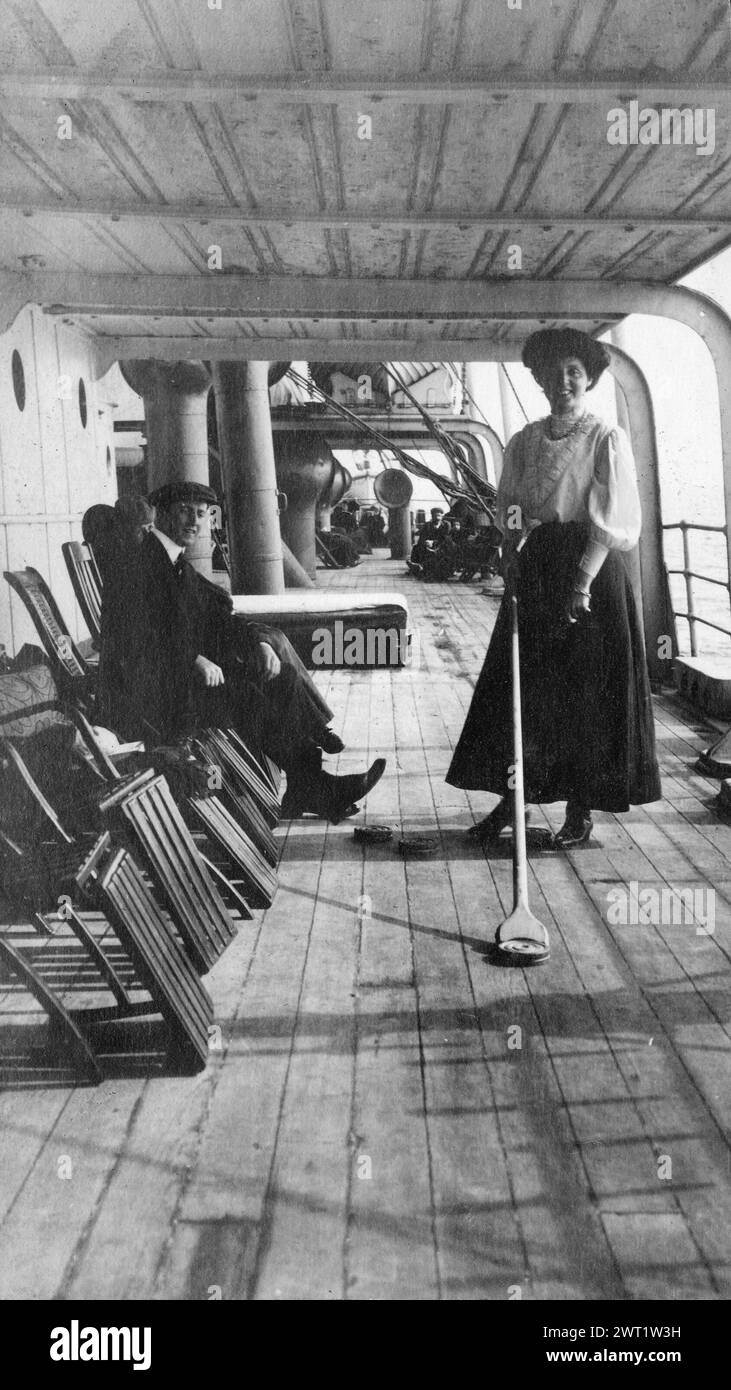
479,89
194,213
261,297
113,349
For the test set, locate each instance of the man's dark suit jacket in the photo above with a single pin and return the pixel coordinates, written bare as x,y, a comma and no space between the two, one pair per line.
155,622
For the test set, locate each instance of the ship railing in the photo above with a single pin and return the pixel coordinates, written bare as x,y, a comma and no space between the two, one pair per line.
689,574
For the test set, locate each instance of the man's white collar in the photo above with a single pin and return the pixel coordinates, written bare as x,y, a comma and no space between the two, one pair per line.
173,551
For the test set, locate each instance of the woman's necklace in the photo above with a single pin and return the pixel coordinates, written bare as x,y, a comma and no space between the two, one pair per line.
558,429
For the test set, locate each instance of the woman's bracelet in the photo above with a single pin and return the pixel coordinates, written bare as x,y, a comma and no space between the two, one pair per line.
578,590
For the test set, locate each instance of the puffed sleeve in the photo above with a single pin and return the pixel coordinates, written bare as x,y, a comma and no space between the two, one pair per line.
613,503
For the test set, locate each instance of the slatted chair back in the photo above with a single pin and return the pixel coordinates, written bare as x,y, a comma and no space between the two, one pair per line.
231,841
239,802
86,580
115,880
71,672
258,877
226,746
141,811
67,1035
50,819
144,806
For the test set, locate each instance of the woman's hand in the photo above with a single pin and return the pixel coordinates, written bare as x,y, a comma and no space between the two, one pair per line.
269,663
510,568
578,604
208,671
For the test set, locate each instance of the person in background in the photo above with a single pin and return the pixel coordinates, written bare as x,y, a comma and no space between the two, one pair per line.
428,534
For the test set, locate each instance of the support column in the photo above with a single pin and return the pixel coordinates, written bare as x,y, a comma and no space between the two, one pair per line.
637,417
399,531
249,478
175,396
305,464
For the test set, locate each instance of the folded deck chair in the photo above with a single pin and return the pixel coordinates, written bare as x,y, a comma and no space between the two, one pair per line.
73,674
227,747
112,880
86,581
141,810
68,1041
234,793
243,870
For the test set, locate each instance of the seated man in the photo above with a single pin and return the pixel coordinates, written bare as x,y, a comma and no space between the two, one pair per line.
173,659
432,531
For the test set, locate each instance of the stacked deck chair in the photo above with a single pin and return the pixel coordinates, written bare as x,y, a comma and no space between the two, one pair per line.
243,851
244,872
142,815
73,674
86,582
166,962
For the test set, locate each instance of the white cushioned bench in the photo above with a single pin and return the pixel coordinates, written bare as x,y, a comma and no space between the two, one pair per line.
335,628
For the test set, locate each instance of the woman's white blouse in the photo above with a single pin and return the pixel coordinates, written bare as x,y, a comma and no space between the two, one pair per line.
589,475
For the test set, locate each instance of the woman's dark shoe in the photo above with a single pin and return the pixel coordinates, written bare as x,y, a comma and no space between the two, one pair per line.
488,830
576,828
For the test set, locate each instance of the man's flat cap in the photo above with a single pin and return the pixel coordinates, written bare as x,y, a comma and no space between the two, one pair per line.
165,496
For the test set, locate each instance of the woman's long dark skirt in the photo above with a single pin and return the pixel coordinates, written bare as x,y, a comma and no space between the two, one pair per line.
588,731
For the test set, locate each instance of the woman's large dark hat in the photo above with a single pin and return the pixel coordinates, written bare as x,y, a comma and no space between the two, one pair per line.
548,344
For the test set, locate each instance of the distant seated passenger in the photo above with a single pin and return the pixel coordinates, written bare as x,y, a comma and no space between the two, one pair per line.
345,516
428,535
443,556
375,526
174,659
341,548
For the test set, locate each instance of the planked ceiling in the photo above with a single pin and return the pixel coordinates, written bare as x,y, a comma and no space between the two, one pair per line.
194,127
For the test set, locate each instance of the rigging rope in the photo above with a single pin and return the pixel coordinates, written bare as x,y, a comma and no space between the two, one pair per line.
482,498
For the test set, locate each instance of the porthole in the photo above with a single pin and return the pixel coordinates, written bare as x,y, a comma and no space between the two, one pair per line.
18,379
82,402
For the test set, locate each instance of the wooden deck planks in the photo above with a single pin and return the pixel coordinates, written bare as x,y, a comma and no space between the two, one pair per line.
370,1129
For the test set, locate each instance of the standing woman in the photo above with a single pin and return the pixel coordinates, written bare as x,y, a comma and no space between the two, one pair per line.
569,512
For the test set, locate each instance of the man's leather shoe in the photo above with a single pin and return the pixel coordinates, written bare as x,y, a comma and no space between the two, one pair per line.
331,798
340,793
331,742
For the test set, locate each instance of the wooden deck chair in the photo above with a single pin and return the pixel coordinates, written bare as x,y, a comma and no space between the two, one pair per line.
143,807
238,799
243,873
143,931
113,881
68,1038
86,580
73,674
259,880
33,873
226,746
